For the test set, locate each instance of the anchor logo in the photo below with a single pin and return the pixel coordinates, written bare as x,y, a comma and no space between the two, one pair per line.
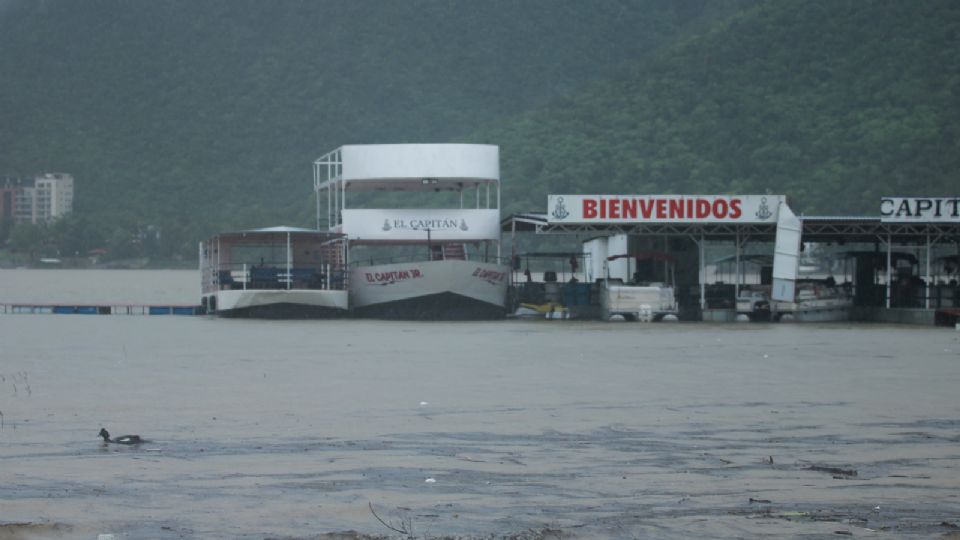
386,225
560,211
764,211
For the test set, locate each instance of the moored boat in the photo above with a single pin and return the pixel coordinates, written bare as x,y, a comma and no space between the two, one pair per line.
277,273
814,301
430,247
635,284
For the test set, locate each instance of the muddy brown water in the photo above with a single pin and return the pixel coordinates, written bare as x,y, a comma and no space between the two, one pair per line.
261,429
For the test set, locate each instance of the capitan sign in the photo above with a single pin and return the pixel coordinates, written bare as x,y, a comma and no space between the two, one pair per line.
393,276
663,208
427,224
919,209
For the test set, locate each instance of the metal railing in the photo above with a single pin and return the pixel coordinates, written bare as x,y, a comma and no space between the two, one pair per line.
370,261
244,276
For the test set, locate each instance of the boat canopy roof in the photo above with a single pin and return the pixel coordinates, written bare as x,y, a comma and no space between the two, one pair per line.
272,235
283,229
408,167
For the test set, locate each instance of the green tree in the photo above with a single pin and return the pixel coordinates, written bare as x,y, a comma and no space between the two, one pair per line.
28,239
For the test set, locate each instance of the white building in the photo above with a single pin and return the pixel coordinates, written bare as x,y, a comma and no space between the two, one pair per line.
49,198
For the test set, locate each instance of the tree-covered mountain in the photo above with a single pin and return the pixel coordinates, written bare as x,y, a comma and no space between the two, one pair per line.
200,116
832,102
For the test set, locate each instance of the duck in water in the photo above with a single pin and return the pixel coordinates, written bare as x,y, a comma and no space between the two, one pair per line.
123,439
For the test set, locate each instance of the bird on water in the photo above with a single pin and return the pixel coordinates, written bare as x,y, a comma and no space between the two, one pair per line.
123,439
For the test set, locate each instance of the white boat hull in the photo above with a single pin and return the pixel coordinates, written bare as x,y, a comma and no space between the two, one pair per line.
815,303
443,290
279,303
636,303
820,310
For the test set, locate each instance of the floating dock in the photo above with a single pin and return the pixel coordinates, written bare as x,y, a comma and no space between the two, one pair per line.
100,309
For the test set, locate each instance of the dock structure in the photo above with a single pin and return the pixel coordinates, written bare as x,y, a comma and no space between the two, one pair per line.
98,309
901,266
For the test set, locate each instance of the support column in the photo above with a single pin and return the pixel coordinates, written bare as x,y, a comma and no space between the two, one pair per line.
889,288
926,300
703,274
289,263
513,248
316,190
736,281
666,263
218,268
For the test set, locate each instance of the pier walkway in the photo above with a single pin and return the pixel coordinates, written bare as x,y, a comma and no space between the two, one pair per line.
99,309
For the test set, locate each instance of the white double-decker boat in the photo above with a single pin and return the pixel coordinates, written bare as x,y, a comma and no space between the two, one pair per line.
422,228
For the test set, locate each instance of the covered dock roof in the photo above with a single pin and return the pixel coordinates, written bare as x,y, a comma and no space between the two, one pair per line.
837,229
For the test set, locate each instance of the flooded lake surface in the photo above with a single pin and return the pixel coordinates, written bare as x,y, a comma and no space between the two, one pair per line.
524,429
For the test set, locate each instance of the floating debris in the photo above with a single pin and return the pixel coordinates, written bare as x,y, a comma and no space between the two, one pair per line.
838,471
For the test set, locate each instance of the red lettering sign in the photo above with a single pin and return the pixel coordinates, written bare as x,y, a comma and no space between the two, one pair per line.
589,208
614,208
676,208
703,208
646,208
720,208
671,208
735,211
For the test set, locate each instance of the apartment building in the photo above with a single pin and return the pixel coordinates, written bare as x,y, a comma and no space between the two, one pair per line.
41,199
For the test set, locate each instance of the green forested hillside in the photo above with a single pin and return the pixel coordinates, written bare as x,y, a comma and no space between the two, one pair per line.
200,116
832,102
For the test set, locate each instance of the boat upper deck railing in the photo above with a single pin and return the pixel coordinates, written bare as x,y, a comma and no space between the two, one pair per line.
433,256
244,276
326,169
